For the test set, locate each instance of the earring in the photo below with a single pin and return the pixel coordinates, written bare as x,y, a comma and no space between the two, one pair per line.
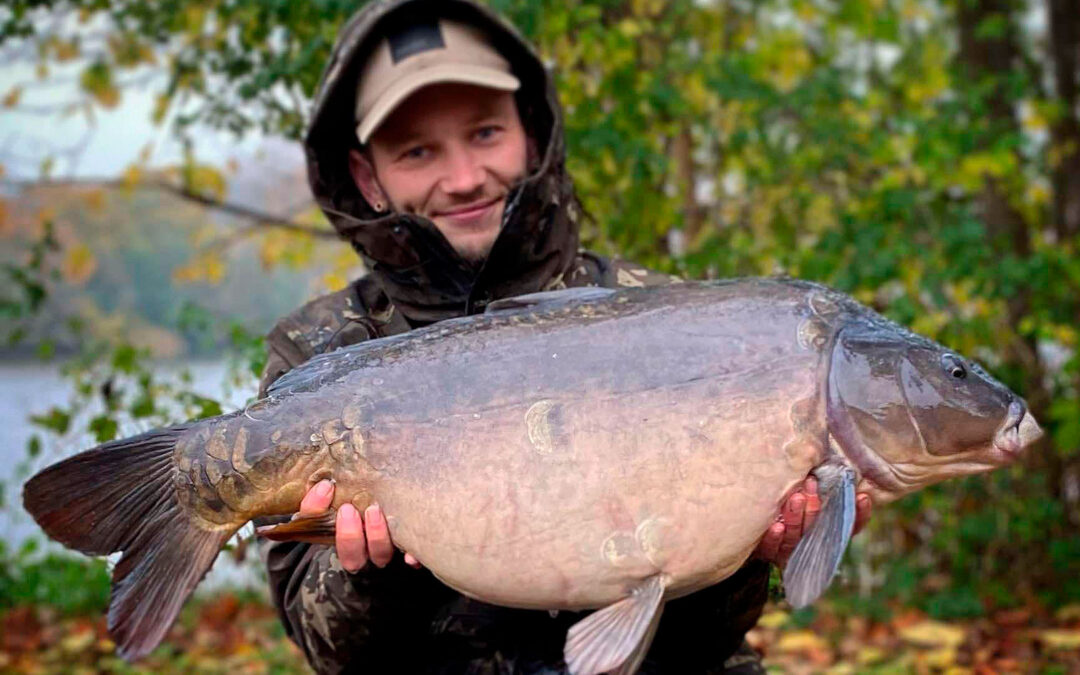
378,206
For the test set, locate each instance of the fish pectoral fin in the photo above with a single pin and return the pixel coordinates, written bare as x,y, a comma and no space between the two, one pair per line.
818,555
616,638
631,665
318,528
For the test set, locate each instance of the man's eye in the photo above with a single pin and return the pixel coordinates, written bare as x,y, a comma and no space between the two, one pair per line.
418,152
486,133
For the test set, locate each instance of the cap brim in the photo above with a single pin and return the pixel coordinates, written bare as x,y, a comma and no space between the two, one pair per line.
451,72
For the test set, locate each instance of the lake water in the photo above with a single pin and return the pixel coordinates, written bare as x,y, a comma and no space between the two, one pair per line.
32,388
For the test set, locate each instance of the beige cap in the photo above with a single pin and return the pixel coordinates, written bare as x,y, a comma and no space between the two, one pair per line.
425,52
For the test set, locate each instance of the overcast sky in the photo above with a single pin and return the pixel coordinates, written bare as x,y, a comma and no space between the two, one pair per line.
36,128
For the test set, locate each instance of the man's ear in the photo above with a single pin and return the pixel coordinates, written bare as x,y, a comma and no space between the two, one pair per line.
363,174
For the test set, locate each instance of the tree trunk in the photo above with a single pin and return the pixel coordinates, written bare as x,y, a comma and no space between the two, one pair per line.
1065,134
986,60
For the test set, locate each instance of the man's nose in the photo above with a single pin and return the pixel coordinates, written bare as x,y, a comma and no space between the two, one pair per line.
464,173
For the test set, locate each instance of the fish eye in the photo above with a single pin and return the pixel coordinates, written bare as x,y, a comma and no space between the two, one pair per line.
953,366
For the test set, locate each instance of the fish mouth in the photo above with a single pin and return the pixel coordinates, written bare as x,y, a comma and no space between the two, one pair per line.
1019,431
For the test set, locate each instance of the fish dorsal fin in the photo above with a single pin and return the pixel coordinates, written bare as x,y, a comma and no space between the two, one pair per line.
818,555
328,367
548,299
616,638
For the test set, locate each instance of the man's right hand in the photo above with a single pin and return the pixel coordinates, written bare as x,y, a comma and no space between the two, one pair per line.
357,538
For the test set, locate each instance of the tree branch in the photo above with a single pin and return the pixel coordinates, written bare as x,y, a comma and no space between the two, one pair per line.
258,217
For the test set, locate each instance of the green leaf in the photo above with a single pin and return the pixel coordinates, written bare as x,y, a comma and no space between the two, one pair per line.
56,420
143,406
104,428
125,359
46,349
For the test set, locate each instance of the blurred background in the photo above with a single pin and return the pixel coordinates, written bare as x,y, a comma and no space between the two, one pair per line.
922,155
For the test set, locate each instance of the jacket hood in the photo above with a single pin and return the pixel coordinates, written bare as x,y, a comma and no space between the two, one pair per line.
410,259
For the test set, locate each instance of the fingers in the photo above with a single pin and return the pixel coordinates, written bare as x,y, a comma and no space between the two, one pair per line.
358,539
794,508
379,547
318,498
863,505
813,504
349,540
769,548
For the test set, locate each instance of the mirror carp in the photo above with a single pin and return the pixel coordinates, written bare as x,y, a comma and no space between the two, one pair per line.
586,448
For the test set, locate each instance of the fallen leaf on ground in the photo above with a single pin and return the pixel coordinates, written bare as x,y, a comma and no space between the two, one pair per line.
1060,639
932,634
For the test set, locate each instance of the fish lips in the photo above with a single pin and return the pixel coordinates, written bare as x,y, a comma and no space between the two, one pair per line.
1019,431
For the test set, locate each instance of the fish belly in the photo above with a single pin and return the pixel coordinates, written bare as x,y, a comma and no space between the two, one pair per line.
572,502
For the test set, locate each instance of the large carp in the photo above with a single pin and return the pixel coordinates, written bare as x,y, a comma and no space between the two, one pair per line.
588,448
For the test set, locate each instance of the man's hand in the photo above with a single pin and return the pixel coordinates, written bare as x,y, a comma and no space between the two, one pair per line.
796,517
358,539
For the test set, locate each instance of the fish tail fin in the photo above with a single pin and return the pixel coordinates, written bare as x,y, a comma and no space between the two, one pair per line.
120,496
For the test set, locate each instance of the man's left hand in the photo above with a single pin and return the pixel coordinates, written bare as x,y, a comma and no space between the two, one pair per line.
796,517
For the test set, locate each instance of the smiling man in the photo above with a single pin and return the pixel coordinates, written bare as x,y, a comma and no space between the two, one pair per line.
452,155
436,149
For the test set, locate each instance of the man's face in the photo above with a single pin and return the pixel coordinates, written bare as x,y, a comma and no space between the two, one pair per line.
450,153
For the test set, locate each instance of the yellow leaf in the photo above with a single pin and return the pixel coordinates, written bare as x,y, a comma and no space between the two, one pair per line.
79,264
630,28
78,642
334,281
1060,639
272,249
6,226
774,619
800,641
932,634
868,656
65,50
1033,118
97,80
1068,613
940,658
94,199
206,267
131,178
11,99
205,180
696,92
161,108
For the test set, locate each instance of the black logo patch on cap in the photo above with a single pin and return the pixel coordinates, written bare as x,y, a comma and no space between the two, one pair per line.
413,38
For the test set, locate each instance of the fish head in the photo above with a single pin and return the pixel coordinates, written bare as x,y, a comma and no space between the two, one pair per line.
908,412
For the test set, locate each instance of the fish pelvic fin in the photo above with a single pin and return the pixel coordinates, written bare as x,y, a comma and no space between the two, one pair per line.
121,496
818,554
617,637
318,528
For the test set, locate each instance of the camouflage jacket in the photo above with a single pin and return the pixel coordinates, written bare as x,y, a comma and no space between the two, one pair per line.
399,617
405,619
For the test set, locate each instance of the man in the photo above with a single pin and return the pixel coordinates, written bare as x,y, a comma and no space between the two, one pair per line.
436,149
